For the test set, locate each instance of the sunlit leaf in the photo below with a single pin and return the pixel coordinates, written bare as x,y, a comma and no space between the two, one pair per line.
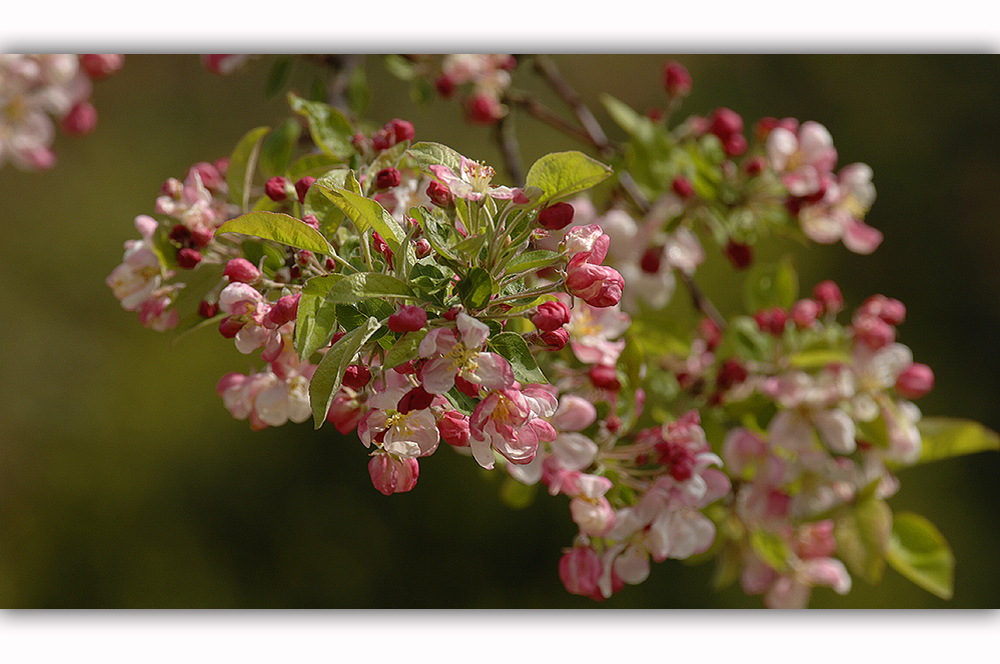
918,551
280,228
330,371
561,174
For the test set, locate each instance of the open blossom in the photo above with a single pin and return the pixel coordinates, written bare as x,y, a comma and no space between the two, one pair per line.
400,421
459,353
595,331
839,214
510,421
193,202
472,182
141,271
249,310
804,158
271,397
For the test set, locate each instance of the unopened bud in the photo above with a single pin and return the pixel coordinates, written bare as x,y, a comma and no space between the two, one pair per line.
724,122
739,254
202,236
409,318
416,399
230,325
828,294
392,475
402,130
734,145
605,377
311,221
676,79
445,86
356,377
805,312
873,331
240,270
554,340
454,428
277,188
483,109
208,309
682,187
285,310
188,258
439,194
890,310
388,178
99,65
651,260
422,247
915,381
80,120
730,373
556,217
302,187
772,320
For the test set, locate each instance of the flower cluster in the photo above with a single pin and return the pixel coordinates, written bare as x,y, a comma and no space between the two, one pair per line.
36,91
393,289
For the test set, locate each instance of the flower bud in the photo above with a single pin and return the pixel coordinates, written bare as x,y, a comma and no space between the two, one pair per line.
210,175
580,570
754,166
416,399
311,221
556,217
873,331
771,320
724,122
483,109
402,130
805,312
302,187
550,316
99,65
409,318
890,310
554,340
277,188
676,79
240,270
730,373
709,330
422,247
454,428
202,236
392,475
356,377
388,178
734,145
208,309
229,326
605,377
439,194
915,381
445,86
80,120
595,518
828,294
682,187
651,260
739,254
597,285
188,258
285,310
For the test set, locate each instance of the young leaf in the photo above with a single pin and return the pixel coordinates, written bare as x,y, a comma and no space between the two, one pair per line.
561,174
241,165
366,213
476,289
280,228
770,548
532,260
430,154
315,324
770,285
330,371
918,551
513,348
946,437
636,125
277,149
330,130
862,535
278,77
367,285
516,495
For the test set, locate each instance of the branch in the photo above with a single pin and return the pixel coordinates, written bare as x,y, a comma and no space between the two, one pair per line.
539,111
545,66
511,150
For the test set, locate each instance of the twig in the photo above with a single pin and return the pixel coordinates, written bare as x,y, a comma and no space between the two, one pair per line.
541,112
702,303
545,66
511,150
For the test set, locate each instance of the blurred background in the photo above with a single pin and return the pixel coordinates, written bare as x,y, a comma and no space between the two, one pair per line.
125,483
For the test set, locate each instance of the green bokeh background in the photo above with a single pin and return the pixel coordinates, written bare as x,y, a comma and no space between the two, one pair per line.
125,483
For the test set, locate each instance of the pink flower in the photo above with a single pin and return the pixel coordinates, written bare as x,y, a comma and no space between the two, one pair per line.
580,570
803,158
393,475
472,182
510,421
838,215
592,331
141,272
460,354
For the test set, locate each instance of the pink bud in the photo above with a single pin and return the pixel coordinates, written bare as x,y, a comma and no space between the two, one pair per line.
422,247
724,122
554,339
285,310
416,399
580,570
556,217
915,381
739,254
483,109
80,120
676,79
682,187
202,236
356,377
276,188
651,260
605,377
409,318
445,86
771,320
240,270
230,325
730,373
709,330
452,313
828,294
454,428
392,475
302,187
188,258
805,312
550,316
208,309
402,130
597,285
311,221
734,145
754,166
439,194
890,310
873,331
388,178
99,65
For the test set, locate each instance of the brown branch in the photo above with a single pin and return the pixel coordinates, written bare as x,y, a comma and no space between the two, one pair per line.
539,111
511,150
545,66
702,303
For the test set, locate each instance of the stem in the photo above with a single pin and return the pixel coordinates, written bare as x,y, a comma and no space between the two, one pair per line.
702,303
540,111
541,290
511,150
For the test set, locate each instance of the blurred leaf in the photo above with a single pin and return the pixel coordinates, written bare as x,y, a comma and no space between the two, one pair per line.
330,371
515,350
277,149
770,548
315,324
476,289
242,163
265,256
366,213
367,285
280,228
770,285
818,358
471,245
197,283
634,124
399,67
561,174
947,437
278,77
918,551
358,92
311,164
862,534
516,495
330,130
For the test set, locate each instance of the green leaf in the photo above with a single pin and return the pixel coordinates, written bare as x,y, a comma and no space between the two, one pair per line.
311,164
430,154
770,548
561,174
315,324
399,67
770,285
265,256
748,339
366,213
947,437
471,245
278,148
862,535
317,203
281,72
330,371
634,124
918,551
532,260
242,163
476,289
280,228
514,349
358,93
819,357
367,285
198,283
404,350
330,130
